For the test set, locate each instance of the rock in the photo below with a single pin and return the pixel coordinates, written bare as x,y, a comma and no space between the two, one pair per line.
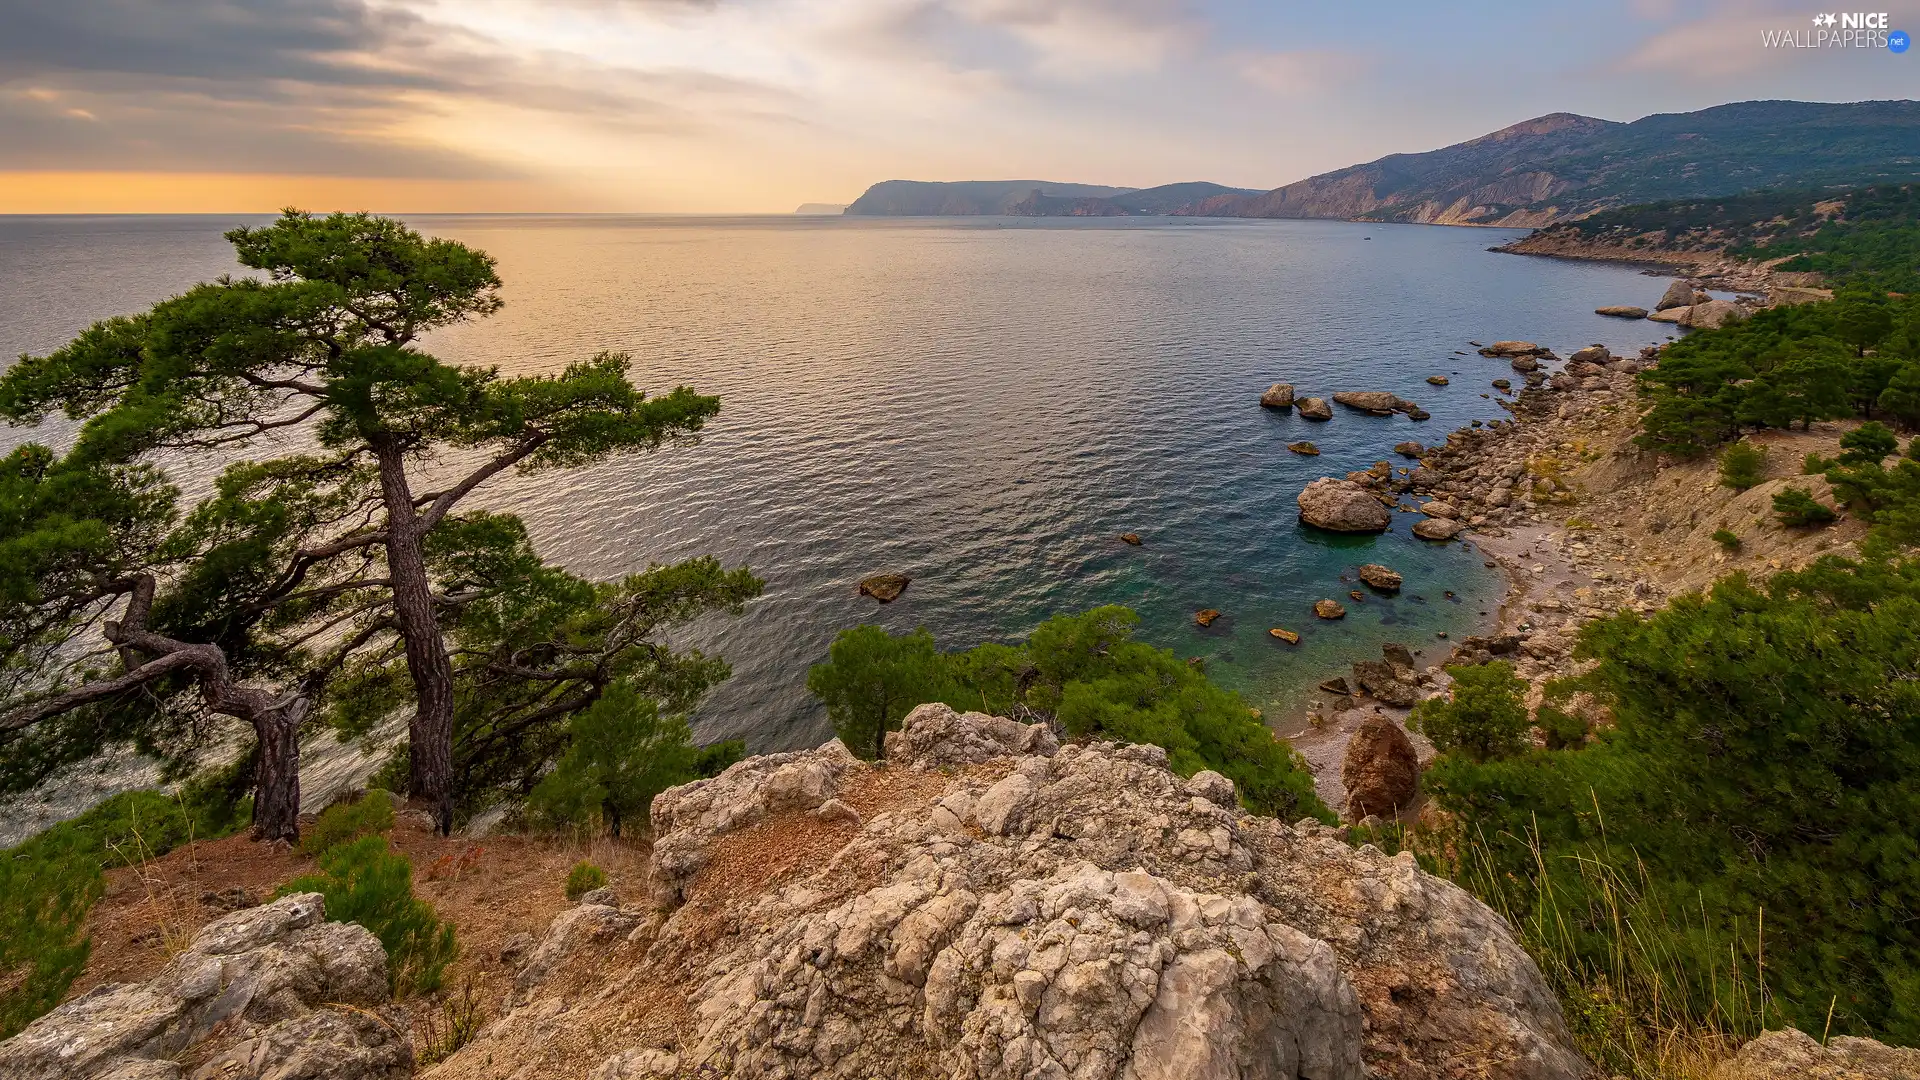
300,998
1399,658
1512,348
516,948
1524,364
1439,509
1314,408
1436,528
885,588
1708,315
1336,685
1794,1055
1329,609
1592,354
604,896
1304,447
1278,396
1437,380
1381,771
1622,311
1410,448
1206,617
1356,594
1380,577
1377,402
1416,413
1377,677
934,735
1287,636
1130,538
1678,294
1580,369
1087,914
1342,506
1502,384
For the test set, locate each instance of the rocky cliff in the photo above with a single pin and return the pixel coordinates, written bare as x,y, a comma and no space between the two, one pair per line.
985,903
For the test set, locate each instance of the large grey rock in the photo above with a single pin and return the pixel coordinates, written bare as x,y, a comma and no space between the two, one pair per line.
1794,1055
1342,506
1084,913
259,974
1372,401
934,735
1438,528
1678,294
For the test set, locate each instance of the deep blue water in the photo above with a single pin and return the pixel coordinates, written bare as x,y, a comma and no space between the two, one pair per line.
982,404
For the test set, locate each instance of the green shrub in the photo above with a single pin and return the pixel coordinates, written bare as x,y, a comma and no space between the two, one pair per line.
1869,444
1563,729
343,821
1743,465
872,680
583,879
621,752
1797,507
1813,464
363,882
1484,717
1726,539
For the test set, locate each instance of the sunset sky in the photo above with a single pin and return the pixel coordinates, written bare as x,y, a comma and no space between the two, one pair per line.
759,105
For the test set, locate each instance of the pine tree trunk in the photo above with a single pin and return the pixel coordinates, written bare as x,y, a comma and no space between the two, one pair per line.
276,772
430,734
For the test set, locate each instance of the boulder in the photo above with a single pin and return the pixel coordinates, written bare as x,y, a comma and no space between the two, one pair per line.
1085,913
1381,771
291,994
1512,348
1794,1055
1377,678
1377,402
1582,369
1524,364
1336,685
1713,314
1329,609
1410,448
1131,539
885,588
1439,509
1437,380
1288,636
1278,396
1436,528
1592,354
1678,294
1342,506
1622,311
1502,384
1416,413
1314,408
1206,617
1304,447
1379,577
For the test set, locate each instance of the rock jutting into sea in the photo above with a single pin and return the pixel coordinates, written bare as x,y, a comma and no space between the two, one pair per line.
1304,447
1342,506
1314,408
1622,311
1380,577
1278,396
885,588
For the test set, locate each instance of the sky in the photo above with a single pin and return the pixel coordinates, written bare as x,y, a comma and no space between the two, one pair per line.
756,106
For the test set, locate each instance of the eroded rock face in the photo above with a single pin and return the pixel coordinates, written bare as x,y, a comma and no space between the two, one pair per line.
263,980
1794,1055
1017,910
1342,506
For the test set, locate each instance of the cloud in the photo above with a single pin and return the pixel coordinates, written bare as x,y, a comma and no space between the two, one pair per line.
1299,72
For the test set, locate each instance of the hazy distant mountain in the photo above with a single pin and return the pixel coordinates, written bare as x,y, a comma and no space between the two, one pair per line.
925,198
821,209
1562,166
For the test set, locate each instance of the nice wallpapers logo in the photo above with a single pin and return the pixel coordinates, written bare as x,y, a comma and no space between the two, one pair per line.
1842,30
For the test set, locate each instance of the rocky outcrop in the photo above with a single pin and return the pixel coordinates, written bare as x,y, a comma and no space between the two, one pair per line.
1314,408
1342,506
1278,396
1381,771
1678,294
1010,909
1622,311
1377,402
1705,315
266,993
1513,348
1794,1055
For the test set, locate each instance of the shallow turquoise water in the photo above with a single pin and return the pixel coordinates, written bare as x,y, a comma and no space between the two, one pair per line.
981,404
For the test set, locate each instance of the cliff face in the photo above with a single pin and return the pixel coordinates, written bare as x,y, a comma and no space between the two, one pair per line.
985,903
1563,166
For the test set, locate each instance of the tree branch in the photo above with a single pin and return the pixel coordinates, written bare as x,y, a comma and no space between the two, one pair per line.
444,501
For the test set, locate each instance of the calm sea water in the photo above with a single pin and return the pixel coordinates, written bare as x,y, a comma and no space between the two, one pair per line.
982,404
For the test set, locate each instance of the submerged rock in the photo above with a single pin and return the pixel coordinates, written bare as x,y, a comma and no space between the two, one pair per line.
1381,770
1512,348
1380,577
1130,538
1287,636
1622,311
1278,396
885,588
1342,506
1206,617
1437,380
1437,528
1314,408
1410,448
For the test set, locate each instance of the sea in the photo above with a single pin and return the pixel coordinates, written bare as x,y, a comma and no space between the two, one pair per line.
982,404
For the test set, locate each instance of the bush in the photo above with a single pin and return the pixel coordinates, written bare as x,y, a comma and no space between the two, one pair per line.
583,879
620,753
363,882
1869,444
343,821
1563,730
1813,464
872,679
1726,540
1484,718
1797,507
1743,465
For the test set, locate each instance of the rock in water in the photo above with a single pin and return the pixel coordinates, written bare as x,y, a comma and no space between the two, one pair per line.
1278,396
1380,577
1437,380
1304,447
1678,294
1342,506
1437,528
1378,402
1592,354
1713,314
289,995
1336,685
1794,1055
1622,311
885,588
1409,449
1287,636
1314,408
1524,364
1130,538
1206,617
1512,348
1381,771
1329,609
1378,678
1014,909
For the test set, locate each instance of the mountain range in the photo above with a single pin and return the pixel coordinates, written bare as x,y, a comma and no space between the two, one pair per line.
1552,168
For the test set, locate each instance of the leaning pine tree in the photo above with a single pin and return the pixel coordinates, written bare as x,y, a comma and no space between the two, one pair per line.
308,582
